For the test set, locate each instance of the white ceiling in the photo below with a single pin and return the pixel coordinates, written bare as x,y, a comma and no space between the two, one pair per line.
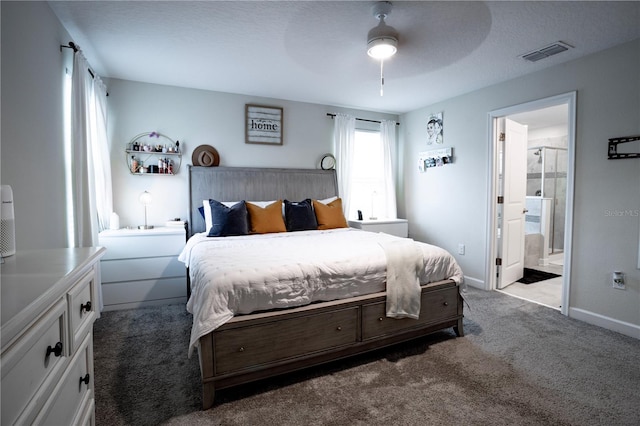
315,51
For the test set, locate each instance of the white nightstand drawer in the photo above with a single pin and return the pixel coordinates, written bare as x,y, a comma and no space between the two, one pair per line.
123,293
27,369
142,269
397,227
126,244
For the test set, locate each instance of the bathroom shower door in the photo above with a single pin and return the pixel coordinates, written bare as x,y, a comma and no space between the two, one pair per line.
514,194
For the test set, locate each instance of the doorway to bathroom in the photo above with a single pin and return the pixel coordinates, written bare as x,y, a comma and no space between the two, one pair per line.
532,149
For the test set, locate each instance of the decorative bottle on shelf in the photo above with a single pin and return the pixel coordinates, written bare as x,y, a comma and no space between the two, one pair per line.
177,146
134,164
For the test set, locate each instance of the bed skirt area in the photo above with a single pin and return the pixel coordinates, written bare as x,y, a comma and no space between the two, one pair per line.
256,346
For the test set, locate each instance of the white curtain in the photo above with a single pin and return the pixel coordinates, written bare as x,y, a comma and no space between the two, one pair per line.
388,136
344,133
90,164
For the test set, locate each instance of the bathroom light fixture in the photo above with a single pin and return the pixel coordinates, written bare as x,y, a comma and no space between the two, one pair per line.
145,198
382,40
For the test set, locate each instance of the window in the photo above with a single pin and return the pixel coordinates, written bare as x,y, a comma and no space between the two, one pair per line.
367,178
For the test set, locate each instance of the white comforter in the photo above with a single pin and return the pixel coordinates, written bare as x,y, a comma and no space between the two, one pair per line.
244,274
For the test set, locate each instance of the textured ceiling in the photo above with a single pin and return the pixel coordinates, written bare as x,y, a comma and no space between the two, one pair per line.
315,51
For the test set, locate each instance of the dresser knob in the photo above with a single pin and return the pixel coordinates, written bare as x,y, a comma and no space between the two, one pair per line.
85,379
446,303
380,319
86,307
339,328
57,349
241,349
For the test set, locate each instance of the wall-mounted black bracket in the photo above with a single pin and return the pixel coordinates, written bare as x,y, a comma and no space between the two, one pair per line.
613,148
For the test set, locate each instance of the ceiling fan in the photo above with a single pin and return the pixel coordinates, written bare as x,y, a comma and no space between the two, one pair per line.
382,40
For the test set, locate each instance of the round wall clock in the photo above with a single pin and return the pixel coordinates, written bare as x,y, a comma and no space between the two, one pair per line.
328,162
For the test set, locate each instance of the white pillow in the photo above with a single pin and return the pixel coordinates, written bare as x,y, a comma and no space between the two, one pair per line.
208,222
328,200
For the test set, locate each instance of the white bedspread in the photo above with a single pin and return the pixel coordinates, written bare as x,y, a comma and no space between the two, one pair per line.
244,274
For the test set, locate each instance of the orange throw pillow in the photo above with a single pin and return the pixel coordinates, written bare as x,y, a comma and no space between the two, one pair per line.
330,216
266,220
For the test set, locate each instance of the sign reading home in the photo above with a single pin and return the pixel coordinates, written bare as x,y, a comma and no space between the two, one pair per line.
263,124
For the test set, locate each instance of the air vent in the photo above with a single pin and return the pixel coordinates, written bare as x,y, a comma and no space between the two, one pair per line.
546,51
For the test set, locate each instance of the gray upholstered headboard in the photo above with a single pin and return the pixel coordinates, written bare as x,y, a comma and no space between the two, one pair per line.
254,184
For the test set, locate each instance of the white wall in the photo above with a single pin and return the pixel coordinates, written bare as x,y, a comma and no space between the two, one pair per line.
196,117
32,122
448,205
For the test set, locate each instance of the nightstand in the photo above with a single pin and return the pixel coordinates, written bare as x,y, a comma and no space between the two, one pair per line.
397,227
141,267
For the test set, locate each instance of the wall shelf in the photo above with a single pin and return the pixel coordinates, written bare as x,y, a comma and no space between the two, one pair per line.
152,153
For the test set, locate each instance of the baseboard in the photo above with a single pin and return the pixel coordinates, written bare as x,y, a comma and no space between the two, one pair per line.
628,329
475,283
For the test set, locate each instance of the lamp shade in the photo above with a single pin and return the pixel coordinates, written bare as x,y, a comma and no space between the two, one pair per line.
145,198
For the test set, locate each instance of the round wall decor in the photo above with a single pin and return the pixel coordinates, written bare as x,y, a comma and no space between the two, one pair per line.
205,155
328,162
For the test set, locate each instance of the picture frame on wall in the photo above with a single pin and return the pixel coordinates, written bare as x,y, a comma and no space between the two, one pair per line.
263,124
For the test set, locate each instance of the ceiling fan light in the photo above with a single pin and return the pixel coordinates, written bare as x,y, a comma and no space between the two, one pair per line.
382,47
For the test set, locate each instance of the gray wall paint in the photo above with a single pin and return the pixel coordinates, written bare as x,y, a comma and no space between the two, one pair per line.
32,121
197,117
448,205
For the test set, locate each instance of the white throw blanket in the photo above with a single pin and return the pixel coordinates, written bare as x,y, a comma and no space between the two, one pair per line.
404,263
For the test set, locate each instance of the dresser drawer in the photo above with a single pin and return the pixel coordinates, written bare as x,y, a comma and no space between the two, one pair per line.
27,370
435,305
142,269
239,348
82,306
74,391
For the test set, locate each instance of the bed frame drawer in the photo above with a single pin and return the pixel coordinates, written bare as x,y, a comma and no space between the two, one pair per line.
246,347
434,306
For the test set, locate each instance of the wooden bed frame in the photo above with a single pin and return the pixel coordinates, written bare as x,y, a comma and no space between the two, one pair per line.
260,345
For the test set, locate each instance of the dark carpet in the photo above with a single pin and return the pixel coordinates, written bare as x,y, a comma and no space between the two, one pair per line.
519,364
533,276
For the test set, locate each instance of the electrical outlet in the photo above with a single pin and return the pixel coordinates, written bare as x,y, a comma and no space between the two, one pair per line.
618,280
460,248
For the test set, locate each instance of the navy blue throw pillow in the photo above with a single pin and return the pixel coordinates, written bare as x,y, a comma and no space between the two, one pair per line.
299,216
228,221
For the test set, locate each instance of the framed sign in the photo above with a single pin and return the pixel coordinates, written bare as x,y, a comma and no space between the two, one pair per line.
263,124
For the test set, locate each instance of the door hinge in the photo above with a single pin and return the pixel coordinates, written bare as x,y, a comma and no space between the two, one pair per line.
500,199
498,261
502,137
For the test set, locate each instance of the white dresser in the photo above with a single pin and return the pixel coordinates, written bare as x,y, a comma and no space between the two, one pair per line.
48,309
397,227
141,267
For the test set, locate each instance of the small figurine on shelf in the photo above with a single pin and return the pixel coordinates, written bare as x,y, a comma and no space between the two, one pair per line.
136,147
134,164
177,146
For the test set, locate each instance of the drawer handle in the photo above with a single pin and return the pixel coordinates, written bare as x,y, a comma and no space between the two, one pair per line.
241,349
84,379
339,328
381,319
446,303
57,349
86,307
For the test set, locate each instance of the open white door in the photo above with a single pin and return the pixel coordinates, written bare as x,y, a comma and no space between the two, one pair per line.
513,211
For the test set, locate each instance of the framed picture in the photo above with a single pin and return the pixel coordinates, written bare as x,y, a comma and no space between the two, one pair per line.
263,124
435,129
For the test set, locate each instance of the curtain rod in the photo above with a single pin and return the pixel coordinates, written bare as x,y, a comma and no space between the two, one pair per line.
75,48
359,119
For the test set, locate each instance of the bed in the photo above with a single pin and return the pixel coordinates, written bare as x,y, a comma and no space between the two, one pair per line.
258,332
